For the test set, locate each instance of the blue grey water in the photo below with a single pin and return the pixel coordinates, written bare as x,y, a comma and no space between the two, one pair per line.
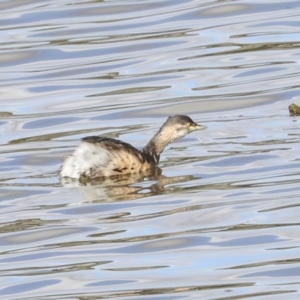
222,221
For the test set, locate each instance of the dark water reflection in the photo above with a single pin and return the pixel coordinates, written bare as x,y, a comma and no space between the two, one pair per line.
221,218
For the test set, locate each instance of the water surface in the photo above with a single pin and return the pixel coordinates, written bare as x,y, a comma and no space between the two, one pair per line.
222,220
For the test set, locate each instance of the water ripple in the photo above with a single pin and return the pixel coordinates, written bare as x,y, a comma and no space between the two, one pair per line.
220,219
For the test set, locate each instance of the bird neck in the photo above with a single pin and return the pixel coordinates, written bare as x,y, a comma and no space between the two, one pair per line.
157,144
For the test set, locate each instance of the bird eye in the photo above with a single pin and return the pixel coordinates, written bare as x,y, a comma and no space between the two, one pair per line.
188,124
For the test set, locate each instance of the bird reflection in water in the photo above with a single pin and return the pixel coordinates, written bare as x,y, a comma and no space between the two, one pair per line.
120,188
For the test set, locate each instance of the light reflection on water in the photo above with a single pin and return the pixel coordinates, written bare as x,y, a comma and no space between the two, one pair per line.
221,220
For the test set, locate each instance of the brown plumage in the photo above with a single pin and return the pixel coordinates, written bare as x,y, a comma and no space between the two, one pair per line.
98,156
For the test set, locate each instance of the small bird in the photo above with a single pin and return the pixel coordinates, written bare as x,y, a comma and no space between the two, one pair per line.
99,156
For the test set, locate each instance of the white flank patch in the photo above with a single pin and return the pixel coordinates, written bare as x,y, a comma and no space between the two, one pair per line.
87,156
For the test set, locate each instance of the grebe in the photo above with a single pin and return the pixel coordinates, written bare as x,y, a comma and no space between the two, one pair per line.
98,156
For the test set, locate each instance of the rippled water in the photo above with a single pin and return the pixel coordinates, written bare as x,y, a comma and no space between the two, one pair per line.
222,221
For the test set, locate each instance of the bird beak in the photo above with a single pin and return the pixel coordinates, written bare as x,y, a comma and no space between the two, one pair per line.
194,127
